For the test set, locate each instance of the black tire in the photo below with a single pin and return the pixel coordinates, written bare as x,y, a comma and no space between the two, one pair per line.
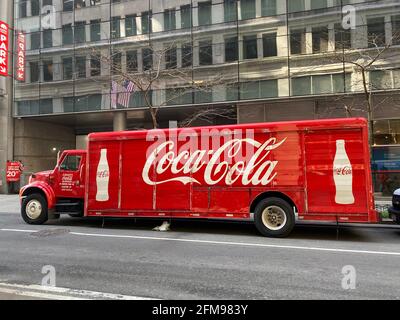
284,228
42,217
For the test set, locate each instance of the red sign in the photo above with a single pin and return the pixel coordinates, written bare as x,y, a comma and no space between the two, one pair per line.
21,43
3,49
14,170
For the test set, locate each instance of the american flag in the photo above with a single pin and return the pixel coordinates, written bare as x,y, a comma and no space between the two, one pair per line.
121,94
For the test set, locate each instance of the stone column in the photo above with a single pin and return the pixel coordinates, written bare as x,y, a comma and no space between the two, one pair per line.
120,119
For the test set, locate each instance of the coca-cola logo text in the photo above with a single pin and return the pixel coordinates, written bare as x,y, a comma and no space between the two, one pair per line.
225,164
343,170
103,174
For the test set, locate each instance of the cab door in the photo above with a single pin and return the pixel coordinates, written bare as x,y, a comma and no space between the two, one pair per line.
69,176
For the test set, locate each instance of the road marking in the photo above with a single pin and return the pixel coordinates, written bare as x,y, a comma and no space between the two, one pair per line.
58,293
246,244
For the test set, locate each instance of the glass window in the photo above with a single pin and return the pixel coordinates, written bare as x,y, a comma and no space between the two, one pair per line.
258,89
146,22
48,70
381,79
35,7
320,39
35,40
396,29
67,34
204,13
68,5
268,8
269,45
131,61
187,55
116,67
341,82
46,106
376,32
186,16
170,58
248,9
68,104
342,37
95,65
130,26
47,38
230,10
116,27
169,19
80,32
296,5
231,49
67,69
205,52
318,4
80,67
322,84
396,78
22,10
70,163
250,47
34,71
147,59
203,95
178,96
298,41
301,86
95,30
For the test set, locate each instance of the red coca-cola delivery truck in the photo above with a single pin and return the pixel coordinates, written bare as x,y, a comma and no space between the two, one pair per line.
271,173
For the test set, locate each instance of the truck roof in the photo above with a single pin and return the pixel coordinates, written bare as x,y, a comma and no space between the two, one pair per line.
270,126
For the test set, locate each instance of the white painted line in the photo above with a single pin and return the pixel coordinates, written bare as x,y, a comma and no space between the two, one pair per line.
229,243
239,244
19,230
37,295
58,293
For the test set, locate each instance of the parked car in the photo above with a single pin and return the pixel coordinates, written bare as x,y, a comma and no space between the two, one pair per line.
395,209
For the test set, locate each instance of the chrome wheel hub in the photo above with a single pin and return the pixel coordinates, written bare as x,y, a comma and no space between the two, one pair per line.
33,209
274,218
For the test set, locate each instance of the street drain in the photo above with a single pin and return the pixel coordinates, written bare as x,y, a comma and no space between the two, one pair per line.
50,233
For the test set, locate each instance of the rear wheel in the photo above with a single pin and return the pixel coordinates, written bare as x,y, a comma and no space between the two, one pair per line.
274,217
34,209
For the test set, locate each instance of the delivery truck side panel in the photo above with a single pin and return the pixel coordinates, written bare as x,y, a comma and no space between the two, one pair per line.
295,162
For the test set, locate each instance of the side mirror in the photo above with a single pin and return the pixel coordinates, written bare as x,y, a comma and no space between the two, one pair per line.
82,172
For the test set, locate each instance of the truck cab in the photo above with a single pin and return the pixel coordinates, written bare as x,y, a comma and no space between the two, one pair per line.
58,191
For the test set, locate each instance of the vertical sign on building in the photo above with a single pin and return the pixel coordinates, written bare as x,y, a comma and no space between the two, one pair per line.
3,49
20,56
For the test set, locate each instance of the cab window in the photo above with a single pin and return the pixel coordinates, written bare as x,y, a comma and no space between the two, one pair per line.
70,163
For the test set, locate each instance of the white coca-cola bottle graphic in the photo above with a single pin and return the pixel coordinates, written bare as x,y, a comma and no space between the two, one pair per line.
103,177
343,175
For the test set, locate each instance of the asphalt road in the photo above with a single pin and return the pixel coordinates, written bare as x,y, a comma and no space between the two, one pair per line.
196,260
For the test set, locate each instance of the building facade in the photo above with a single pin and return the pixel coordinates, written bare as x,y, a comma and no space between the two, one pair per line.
264,60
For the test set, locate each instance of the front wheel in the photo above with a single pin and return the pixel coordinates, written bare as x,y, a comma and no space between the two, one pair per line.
34,209
274,217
